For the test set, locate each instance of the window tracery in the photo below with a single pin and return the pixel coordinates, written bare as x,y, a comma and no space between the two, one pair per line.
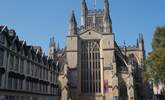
90,66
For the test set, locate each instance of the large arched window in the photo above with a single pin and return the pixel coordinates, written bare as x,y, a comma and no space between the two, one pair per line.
90,66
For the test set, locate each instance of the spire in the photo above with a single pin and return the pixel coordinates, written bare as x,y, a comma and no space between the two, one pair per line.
141,40
72,25
84,12
94,4
58,46
125,48
106,19
106,4
137,42
52,42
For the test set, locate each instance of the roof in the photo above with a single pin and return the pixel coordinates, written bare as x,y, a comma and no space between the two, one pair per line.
34,51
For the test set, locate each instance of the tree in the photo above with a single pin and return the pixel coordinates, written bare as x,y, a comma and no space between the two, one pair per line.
156,60
159,38
156,65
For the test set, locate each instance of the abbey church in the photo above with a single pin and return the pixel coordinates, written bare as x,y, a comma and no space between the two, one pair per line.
92,66
99,69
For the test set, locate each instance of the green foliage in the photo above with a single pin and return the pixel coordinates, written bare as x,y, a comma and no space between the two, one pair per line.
159,38
155,69
156,66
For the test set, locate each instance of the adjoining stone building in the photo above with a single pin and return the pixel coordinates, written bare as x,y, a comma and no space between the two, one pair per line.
26,73
98,69
59,55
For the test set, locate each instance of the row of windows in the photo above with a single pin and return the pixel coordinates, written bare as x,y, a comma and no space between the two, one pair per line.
20,70
10,97
54,90
36,87
37,71
18,64
17,84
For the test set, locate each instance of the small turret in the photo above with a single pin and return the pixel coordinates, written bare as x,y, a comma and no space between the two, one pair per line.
52,42
58,47
72,25
141,48
52,48
141,42
125,49
137,42
84,13
107,23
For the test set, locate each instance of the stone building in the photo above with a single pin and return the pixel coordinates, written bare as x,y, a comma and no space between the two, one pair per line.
59,55
26,73
99,69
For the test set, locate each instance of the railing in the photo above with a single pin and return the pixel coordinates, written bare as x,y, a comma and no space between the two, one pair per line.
92,26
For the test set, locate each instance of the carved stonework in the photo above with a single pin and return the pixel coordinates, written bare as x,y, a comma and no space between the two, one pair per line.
64,83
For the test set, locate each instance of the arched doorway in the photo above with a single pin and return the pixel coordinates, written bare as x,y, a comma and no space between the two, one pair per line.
123,94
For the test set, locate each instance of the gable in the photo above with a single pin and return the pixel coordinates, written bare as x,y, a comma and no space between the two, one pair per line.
90,34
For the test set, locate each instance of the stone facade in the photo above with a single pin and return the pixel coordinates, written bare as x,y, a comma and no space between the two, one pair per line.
59,55
91,67
25,72
98,69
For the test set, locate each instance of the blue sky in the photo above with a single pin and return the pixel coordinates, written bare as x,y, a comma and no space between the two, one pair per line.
37,20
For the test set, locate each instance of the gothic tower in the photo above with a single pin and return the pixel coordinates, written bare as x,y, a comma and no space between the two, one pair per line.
98,67
72,57
52,49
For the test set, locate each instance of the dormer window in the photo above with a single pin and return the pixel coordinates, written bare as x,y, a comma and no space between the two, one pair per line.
2,38
13,47
11,61
16,63
1,57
